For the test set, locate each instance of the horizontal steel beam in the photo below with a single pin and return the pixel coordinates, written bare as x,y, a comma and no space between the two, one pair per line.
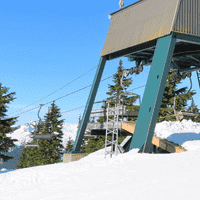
176,66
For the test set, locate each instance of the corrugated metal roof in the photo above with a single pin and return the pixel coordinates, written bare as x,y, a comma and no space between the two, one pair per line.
139,23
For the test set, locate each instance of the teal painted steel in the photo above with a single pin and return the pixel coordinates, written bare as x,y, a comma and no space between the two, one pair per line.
88,107
153,94
131,59
198,77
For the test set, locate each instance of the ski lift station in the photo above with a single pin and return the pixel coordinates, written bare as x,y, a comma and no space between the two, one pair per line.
160,33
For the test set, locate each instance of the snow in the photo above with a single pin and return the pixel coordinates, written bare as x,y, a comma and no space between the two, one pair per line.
127,176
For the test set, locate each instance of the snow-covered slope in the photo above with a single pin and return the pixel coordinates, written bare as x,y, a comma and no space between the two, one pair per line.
23,136
126,176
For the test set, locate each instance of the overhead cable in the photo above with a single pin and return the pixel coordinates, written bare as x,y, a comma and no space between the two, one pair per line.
62,96
54,91
81,106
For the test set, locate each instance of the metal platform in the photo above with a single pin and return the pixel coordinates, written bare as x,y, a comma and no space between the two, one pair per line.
122,111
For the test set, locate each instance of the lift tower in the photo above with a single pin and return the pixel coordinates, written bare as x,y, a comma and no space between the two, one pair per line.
160,33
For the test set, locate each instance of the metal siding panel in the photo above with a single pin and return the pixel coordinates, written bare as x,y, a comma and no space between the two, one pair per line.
181,17
198,13
198,16
184,16
177,17
179,22
176,23
191,18
188,17
194,17
187,13
142,22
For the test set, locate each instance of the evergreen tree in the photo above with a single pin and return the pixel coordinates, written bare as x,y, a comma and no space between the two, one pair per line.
166,111
5,125
114,92
95,144
28,158
193,109
70,144
50,150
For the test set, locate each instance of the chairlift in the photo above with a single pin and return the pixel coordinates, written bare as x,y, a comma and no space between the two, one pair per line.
29,145
189,113
40,135
125,73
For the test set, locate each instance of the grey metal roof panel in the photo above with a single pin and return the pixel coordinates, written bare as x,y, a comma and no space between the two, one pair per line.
110,15
139,23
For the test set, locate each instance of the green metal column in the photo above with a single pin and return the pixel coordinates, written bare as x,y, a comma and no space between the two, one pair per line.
88,107
198,77
153,94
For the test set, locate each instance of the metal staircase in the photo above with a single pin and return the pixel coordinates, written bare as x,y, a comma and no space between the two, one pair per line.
113,131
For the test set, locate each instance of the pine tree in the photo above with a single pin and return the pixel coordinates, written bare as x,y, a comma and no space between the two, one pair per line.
114,92
69,146
50,150
55,145
28,158
5,125
193,109
166,111
95,144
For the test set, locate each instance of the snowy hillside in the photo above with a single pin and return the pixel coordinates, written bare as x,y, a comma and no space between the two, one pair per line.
23,136
23,133
127,176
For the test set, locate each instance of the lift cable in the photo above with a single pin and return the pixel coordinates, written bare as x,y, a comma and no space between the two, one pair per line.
137,88
72,93
61,97
54,91
97,101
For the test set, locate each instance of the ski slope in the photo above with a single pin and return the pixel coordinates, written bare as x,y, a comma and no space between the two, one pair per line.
126,176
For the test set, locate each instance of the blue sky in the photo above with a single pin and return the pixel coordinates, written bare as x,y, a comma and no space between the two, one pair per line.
44,45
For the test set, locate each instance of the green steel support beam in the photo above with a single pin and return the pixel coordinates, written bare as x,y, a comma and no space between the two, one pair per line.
198,77
153,94
88,107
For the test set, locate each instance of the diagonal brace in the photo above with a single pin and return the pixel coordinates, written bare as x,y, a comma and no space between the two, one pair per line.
88,107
